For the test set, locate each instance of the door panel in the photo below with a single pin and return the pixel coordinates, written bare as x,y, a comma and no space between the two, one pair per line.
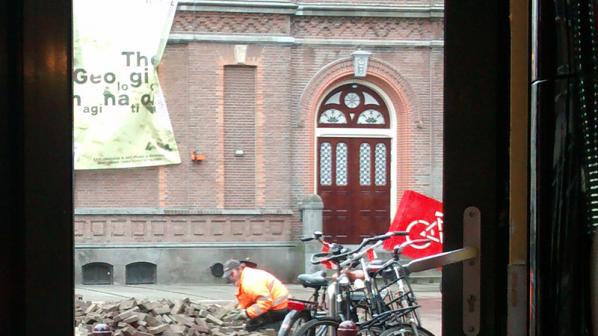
354,183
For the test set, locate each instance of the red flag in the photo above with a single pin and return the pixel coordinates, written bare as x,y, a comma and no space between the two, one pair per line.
372,254
422,217
326,248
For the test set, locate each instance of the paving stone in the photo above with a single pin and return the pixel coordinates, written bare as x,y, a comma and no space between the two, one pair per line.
112,314
152,321
196,306
126,314
131,319
176,330
167,319
129,331
158,329
184,319
202,325
147,306
179,306
143,333
190,311
127,304
213,319
113,307
92,307
161,309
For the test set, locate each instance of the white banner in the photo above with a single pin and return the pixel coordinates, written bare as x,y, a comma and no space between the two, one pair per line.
121,119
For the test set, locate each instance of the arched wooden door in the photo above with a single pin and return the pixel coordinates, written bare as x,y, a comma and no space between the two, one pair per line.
353,170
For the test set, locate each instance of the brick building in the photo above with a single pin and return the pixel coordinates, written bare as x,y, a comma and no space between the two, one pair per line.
267,92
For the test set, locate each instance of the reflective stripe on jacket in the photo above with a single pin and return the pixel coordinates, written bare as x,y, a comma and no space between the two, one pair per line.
259,292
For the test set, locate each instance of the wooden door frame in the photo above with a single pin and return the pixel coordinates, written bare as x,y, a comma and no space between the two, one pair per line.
390,133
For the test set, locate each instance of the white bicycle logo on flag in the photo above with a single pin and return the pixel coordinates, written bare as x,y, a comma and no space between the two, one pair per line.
431,231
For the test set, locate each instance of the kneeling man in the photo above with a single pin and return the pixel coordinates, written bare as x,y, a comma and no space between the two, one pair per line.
262,297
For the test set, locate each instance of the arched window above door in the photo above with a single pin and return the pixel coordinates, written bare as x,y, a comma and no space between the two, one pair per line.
353,106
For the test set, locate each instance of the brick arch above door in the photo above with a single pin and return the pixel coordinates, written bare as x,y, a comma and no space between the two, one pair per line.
397,90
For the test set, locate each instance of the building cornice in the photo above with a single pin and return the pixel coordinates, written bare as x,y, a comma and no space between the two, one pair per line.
267,7
313,9
370,10
289,40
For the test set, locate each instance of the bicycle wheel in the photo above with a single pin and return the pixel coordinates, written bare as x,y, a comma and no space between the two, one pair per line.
325,326
292,322
406,330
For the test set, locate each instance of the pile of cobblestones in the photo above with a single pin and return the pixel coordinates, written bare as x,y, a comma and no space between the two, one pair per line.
163,317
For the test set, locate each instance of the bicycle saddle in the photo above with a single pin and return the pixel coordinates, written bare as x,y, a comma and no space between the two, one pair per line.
313,280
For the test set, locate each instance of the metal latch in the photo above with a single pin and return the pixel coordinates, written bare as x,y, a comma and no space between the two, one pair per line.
471,272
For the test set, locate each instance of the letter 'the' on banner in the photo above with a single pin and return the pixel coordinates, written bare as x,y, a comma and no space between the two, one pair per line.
120,114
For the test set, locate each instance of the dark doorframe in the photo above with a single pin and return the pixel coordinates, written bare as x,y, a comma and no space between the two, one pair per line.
36,230
476,153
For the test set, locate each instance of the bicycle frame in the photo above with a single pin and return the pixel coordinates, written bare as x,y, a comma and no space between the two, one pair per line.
406,296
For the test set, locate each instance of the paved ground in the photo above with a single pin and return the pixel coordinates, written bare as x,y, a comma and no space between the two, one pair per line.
428,296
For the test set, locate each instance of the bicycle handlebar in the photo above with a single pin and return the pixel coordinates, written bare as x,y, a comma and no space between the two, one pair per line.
336,258
317,235
360,255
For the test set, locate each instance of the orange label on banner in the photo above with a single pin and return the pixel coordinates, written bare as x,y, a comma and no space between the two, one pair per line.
422,218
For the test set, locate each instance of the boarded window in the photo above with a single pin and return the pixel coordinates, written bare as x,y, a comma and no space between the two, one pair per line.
97,274
239,136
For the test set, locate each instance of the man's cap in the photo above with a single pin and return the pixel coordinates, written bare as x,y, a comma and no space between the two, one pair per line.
229,266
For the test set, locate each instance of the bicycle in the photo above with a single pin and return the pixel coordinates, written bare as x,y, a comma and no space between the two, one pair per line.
306,310
343,302
390,316
351,290
403,297
301,311
328,327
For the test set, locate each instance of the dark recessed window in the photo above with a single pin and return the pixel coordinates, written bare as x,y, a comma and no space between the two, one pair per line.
97,273
141,273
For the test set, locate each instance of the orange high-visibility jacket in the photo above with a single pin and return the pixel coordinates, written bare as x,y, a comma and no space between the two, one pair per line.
259,292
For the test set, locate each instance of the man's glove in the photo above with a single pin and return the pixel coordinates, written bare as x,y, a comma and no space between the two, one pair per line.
231,314
239,315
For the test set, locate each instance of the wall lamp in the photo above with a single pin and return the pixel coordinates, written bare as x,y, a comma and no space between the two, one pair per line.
197,155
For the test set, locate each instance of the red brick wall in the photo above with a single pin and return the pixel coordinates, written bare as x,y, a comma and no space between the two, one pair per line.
116,187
